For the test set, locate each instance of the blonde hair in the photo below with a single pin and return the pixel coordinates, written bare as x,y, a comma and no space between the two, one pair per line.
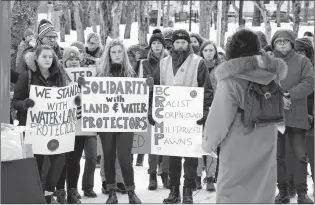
104,64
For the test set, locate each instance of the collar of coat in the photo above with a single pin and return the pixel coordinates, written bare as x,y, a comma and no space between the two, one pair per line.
258,68
30,60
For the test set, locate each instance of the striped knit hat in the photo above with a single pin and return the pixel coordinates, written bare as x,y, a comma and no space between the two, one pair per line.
45,27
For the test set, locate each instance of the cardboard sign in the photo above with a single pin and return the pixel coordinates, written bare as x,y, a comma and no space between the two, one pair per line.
74,74
142,142
112,104
176,111
52,119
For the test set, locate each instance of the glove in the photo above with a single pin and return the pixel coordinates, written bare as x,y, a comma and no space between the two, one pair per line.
149,81
77,100
27,103
151,120
81,81
202,121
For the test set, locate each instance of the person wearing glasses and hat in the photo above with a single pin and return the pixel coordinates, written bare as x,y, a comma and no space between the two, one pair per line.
298,84
175,69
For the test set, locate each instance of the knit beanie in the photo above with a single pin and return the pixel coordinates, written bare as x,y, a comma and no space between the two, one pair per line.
283,33
79,45
198,37
305,44
45,27
180,34
28,32
156,36
70,52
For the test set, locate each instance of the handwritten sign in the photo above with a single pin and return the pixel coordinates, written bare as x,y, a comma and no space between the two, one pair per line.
176,111
112,104
52,119
142,142
74,74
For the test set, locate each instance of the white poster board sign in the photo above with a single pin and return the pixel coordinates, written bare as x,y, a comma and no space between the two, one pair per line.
74,74
52,119
111,104
176,111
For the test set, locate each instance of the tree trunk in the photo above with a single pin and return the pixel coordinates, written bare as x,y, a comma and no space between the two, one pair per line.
289,8
219,24
167,16
142,24
240,13
105,13
24,15
215,14
256,16
266,16
67,14
190,13
62,20
224,21
130,14
163,12
148,11
279,4
93,15
296,18
236,9
206,8
158,21
306,7
85,14
78,22
123,18
115,16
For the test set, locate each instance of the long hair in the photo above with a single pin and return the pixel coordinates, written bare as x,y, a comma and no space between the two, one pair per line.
216,56
164,53
104,64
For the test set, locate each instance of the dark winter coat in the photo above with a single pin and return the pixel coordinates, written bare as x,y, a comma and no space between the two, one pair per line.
203,77
299,83
94,54
21,90
151,64
211,65
14,76
248,160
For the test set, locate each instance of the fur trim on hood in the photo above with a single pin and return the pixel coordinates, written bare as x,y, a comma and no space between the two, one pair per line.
30,59
251,65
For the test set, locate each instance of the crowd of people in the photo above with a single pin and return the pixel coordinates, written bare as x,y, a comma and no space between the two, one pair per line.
250,163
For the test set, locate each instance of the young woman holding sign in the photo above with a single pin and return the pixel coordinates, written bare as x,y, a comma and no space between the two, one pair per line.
43,69
147,68
115,63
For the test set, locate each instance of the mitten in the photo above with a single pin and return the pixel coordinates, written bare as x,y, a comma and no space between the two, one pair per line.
77,100
27,103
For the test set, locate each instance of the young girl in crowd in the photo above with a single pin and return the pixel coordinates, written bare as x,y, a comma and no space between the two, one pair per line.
147,68
115,63
43,69
71,171
209,52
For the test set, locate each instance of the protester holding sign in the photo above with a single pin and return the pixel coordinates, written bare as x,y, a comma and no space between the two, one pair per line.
147,68
183,68
43,69
115,63
248,155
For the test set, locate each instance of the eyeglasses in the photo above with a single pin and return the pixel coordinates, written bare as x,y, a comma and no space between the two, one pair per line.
282,41
51,37
301,52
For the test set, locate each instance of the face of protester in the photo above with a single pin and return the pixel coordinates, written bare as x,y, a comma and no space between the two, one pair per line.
73,62
92,44
50,39
208,52
29,38
45,59
221,57
180,45
156,47
194,41
116,54
283,45
81,55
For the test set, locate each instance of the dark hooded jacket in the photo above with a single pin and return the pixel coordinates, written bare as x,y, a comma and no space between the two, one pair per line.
21,90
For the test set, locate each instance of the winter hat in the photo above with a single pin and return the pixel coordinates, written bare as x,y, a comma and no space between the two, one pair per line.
243,43
180,34
156,31
283,33
93,35
70,52
262,39
45,27
198,37
268,48
28,32
157,37
305,44
79,45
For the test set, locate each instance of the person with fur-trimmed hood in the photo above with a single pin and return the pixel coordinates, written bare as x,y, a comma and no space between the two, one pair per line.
175,69
248,158
298,84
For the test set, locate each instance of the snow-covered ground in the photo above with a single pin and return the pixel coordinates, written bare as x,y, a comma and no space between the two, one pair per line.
157,196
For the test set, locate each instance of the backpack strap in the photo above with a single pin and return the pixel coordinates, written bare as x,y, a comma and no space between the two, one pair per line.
29,80
240,109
